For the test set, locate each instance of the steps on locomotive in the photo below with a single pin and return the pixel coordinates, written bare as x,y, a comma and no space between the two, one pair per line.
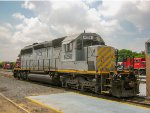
105,92
105,89
108,85
108,78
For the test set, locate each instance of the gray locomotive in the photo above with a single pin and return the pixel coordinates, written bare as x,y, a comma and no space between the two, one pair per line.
80,61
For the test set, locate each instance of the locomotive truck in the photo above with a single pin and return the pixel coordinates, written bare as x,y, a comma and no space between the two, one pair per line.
80,61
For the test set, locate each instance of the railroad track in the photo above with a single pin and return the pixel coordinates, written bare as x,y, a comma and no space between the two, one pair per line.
141,101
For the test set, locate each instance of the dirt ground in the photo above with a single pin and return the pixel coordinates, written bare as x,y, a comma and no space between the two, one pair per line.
18,90
7,107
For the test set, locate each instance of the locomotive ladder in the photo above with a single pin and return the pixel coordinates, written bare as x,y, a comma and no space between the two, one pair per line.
106,86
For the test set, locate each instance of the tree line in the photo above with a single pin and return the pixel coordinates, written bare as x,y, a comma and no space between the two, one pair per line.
131,53
126,52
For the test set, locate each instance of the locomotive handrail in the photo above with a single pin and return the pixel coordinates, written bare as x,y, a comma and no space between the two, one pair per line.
38,64
43,64
30,64
49,64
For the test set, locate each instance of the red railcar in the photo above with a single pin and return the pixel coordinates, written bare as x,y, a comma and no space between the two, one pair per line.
139,65
7,65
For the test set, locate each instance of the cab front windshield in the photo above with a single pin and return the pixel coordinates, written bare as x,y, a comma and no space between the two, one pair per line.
88,41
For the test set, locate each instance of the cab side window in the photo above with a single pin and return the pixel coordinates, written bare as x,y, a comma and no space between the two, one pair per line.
136,61
68,47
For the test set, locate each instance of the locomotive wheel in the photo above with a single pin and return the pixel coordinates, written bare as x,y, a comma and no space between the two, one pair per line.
25,75
18,75
96,89
82,88
15,74
21,76
67,86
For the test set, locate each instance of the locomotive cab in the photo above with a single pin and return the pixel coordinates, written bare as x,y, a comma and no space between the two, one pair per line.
76,50
73,47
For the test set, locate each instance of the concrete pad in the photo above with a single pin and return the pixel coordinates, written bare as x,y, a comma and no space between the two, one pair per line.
142,89
77,103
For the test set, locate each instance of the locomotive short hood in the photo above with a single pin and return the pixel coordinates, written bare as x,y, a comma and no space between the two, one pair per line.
71,38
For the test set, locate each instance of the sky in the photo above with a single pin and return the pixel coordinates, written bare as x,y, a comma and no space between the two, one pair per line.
123,24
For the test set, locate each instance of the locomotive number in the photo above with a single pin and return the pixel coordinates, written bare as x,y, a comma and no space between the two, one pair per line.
68,56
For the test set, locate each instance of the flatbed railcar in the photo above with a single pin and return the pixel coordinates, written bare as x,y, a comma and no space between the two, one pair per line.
80,61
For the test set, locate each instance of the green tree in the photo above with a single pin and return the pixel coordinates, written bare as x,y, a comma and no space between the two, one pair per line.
126,52
13,64
1,65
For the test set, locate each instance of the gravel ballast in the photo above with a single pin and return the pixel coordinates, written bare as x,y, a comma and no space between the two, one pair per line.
14,88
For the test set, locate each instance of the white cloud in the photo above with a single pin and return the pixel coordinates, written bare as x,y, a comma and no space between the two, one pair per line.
7,47
68,17
109,8
30,30
5,34
18,16
137,12
28,5
8,25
